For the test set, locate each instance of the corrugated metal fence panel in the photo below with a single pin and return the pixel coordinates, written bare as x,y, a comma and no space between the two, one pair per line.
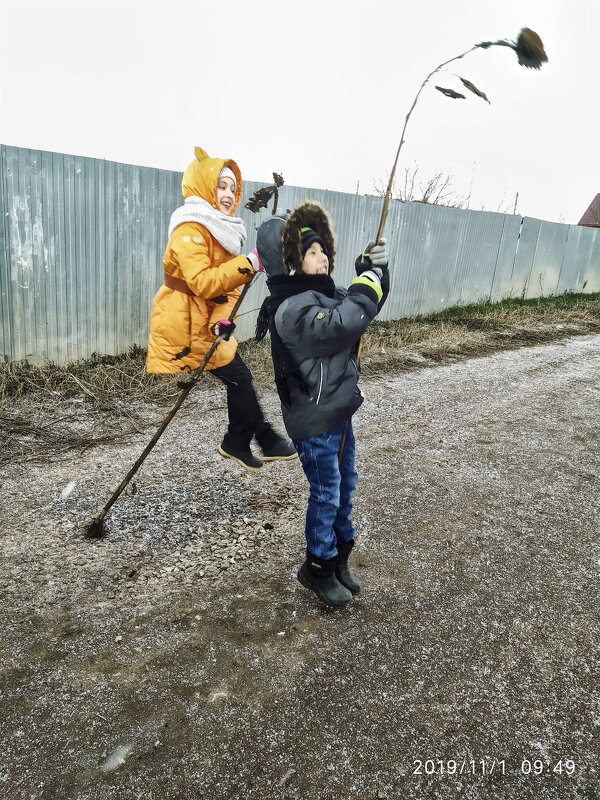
5,309
544,271
82,239
502,284
443,257
579,268
82,250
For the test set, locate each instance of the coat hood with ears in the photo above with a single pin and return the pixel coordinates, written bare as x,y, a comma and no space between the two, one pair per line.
201,176
308,215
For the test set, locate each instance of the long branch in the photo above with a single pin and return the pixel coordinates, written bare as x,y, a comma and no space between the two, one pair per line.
388,191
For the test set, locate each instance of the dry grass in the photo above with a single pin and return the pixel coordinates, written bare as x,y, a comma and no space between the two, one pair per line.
102,381
48,410
460,332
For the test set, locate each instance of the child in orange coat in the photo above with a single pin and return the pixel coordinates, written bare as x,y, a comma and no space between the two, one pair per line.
204,270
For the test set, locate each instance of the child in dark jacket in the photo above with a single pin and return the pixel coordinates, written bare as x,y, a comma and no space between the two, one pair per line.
315,328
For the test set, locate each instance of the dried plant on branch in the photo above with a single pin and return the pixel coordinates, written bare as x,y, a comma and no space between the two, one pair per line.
530,53
260,198
435,191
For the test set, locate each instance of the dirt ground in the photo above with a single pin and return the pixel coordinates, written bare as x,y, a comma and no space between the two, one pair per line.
179,658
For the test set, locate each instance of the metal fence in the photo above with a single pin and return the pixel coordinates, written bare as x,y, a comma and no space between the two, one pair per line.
82,240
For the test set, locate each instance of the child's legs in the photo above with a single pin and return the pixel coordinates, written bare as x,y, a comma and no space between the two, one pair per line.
246,417
342,525
319,457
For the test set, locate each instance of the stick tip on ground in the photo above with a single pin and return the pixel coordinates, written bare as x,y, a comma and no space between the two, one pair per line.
96,529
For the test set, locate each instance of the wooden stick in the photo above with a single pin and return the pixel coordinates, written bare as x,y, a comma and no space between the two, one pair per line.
95,529
388,192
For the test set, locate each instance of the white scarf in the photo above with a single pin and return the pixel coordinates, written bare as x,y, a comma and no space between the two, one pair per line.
228,231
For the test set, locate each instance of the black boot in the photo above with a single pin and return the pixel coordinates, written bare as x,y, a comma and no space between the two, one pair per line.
318,575
275,447
240,452
342,571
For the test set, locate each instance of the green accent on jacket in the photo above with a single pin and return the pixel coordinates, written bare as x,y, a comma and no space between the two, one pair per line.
371,284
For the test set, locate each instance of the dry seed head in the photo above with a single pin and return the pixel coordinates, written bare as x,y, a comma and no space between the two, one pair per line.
530,49
260,198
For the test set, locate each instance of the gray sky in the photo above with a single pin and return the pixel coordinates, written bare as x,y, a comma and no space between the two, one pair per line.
317,91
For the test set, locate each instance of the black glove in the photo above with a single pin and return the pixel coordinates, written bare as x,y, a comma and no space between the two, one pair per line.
362,264
224,328
385,286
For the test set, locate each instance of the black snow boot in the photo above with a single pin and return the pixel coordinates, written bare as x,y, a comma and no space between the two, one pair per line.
229,448
318,575
275,447
342,571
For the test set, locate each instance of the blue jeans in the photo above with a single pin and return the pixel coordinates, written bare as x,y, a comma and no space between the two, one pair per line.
332,488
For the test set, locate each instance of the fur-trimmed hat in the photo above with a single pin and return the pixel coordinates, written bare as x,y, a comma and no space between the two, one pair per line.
295,239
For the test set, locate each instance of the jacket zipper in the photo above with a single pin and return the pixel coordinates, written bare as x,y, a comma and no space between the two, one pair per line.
320,384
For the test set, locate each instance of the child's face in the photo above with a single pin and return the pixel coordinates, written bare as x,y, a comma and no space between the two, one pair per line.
225,195
315,262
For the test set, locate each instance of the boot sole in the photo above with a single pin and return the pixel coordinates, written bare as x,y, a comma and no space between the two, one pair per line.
225,454
280,458
319,594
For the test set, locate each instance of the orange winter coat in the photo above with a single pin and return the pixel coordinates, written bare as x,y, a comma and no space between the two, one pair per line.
207,280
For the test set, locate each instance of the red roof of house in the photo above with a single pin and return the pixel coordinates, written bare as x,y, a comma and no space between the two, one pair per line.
591,218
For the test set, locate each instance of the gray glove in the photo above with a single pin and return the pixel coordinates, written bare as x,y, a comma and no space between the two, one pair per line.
376,253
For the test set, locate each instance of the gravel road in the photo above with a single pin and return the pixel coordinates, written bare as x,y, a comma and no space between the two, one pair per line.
179,658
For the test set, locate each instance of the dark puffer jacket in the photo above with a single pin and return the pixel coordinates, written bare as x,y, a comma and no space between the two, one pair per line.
315,327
